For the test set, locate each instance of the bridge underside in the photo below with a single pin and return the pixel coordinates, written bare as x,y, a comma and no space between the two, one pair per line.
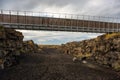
58,28
57,24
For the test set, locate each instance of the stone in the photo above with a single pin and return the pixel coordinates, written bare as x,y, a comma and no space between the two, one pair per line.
12,46
104,49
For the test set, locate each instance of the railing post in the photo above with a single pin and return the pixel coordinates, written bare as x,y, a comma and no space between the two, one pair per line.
71,22
99,24
39,19
77,22
83,23
88,23
108,25
10,15
117,24
32,18
24,13
2,15
18,19
64,20
25,17
94,23
102,28
10,20
113,24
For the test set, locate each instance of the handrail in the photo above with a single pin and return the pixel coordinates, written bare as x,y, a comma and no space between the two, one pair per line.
56,21
62,15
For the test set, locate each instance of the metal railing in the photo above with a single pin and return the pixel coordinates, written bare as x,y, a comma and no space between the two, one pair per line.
111,21
61,15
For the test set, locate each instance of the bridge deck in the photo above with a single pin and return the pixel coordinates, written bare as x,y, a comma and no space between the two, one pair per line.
57,24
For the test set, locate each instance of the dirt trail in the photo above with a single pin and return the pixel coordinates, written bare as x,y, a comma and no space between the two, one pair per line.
55,66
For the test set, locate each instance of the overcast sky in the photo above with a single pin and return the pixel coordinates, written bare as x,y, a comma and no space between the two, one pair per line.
82,7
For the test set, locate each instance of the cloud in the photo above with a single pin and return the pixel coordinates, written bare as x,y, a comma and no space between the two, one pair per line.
56,37
86,7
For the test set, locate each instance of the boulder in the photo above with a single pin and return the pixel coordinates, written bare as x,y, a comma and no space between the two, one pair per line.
30,47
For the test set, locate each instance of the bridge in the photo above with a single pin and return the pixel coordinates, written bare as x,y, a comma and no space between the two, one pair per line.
27,20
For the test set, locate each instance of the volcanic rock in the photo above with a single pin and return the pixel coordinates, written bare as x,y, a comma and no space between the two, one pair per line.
12,46
104,49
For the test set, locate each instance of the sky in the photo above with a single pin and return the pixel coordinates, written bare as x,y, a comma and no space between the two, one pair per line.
81,7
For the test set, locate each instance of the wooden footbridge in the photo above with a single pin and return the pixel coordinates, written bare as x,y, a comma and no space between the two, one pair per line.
27,20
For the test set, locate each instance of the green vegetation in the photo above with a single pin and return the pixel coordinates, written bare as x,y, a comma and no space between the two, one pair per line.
49,46
80,55
116,66
111,35
1,28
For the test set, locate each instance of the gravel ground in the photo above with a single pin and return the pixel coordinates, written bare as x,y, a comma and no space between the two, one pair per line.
55,66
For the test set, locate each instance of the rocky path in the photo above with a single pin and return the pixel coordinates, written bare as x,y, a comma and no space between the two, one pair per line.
53,66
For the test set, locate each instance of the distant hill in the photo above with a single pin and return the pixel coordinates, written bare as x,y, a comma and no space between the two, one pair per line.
49,46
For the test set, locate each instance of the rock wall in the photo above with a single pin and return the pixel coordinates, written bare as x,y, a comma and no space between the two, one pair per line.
12,46
11,42
104,50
